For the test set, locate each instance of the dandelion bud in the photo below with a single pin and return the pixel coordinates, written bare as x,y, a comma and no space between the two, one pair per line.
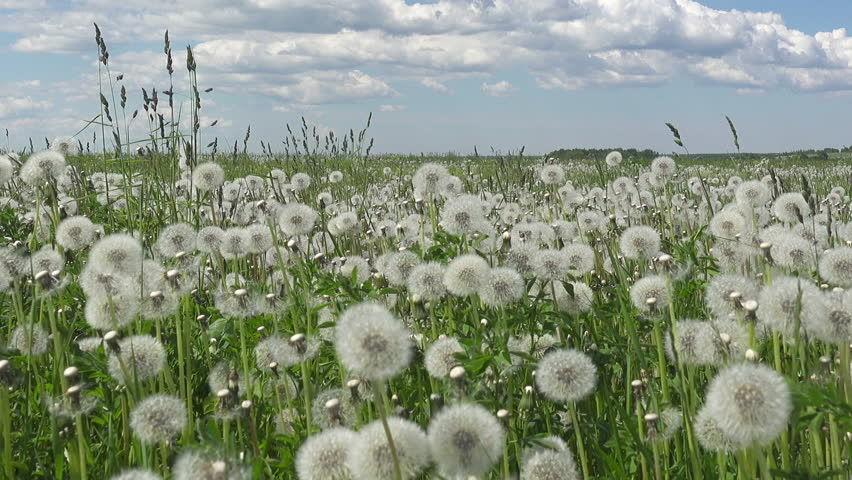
71,373
5,372
457,373
651,420
437,401
298,342
240,292
503,415
528,390
506,236
224,397
725,338
74,393
292,244
111,339
751,355
483,322
172,274
353,385
261,330
273,367
332,408
246,405
825,362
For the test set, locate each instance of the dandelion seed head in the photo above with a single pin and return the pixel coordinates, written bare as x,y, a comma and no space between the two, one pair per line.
208,465
296,219
75,233
371,343
30,339
324,456
370,456
399,265
118,253
613,159
581,258
552,174
466,274
440,357
502,287
465,440
136,474
41,167
652,286
140,357
158,418
790,207
640,242
719,289
566,375
208,176
300,181
836,266
428,178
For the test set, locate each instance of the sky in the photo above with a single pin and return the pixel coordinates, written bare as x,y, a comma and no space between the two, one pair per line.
446,75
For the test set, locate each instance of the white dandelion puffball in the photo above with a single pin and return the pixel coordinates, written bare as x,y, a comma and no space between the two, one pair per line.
75,233
30,339
836,266
371,343
720,287
296,219
427,281
652,286
640,242
429,177
550,464
136,474
502,287
117,253
324,456
208,176
613,159
158,418
140,357
552,175
466,274
790,207
370,457
208,465
300,181
465,440
566,375
663,167
750,402
440,357
41,167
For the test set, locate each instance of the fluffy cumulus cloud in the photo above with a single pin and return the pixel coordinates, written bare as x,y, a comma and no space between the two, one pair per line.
306,53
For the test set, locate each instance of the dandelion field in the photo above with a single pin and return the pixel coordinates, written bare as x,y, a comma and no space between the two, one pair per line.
324,313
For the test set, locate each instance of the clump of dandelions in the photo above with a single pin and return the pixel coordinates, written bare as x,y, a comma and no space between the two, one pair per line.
465,440
324,456
370,457
139,357
751,404
440,357
566,375
371,343
158,418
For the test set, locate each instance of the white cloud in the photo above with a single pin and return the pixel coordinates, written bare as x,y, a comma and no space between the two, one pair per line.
391,108
499,89
435,85
17,105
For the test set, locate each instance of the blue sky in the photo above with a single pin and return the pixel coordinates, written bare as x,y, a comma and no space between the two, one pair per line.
447,75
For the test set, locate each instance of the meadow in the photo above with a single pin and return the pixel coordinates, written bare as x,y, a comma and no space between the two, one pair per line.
172,311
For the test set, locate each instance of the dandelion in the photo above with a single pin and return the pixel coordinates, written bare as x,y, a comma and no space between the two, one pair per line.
520,257
751,404
502,287
357,267
108,312
47,259
75,233
663,167
398,267
463,215
141,357
613,159
552,175
260,238
324,456
466,274
370,455
695,343
300,181
836,266
221,376
440,357
550,265
208,465
465,440
555,463
752,194
30,340
566,375
787,298
158,418
652,286
427,281
41,167
640,242
727,224
835,325
371,343
428,177
179,237
118,253
578,300
7,170
791,207
210,239
720,287
581,258
296,219
526,344
208,176
793,252
136,474
335,176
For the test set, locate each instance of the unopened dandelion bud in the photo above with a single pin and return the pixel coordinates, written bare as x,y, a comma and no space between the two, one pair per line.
332,408
74,392
823,286
416,299
437,401
71,373
751,355
111,339
766,247
219,469
299,343
506,236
